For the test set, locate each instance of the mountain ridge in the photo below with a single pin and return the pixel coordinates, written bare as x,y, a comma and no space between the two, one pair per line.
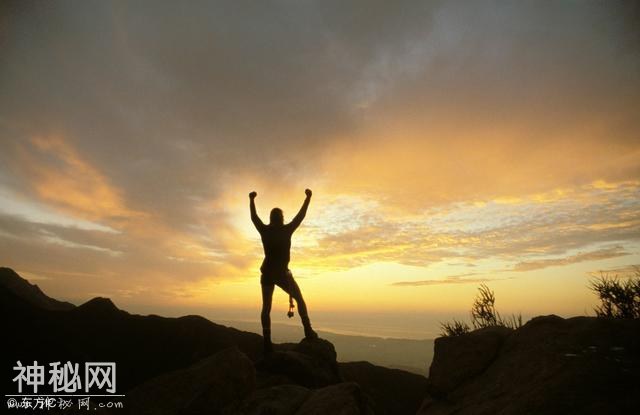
31,293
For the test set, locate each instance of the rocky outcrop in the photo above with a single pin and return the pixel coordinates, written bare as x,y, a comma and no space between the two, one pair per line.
276,400
310,363
225,383
461,358
206,387
551,365
394,391
342,399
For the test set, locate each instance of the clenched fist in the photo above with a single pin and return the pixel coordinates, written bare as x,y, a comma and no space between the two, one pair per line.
252,195
307,192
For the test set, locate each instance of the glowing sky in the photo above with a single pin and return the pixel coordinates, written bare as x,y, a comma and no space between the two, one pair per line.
447,144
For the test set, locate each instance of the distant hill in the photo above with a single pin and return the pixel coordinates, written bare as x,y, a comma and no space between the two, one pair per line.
28,292
143,346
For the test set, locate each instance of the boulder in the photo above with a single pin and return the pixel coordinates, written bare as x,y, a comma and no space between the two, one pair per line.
206,387
394,391
310,363
341,399
302,379
275,400
551,365
458,359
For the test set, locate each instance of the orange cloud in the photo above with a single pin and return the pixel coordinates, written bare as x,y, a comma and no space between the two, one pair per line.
451,279
410,166
573,259
62,177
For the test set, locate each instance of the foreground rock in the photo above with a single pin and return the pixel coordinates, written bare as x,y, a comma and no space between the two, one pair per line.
550,365
394,391
461,358
299,379
310,363
275,400
342,399
206,387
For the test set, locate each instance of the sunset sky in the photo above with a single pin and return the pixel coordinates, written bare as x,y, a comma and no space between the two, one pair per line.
448,144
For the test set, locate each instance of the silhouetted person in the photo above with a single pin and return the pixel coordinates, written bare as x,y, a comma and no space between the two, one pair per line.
276,241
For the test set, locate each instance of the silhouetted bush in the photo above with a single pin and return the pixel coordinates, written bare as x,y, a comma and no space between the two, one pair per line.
454,328
483,314
483,311
618,298
514,321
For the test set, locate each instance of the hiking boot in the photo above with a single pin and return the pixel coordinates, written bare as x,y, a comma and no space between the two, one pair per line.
267,348
310,334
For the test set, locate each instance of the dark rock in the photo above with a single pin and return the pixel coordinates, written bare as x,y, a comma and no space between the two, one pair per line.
206,387
319,348
311,363
394,391
275,400
341,399
458,359
581,365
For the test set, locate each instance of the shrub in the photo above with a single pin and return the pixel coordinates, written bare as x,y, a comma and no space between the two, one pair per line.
454,328
483,311
513,322
483,314
618,298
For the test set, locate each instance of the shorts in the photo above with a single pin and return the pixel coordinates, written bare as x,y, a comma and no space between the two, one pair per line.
279,278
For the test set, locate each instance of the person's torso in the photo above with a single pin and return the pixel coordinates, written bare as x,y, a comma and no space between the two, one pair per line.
276,241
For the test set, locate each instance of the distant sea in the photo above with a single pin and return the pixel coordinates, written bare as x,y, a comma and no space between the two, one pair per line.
416,325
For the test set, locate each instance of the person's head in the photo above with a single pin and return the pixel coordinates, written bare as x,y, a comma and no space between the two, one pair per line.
276,217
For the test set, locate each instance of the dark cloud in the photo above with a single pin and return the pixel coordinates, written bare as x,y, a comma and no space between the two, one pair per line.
170,99
540,66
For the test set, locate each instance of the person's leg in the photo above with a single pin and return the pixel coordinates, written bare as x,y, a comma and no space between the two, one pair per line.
290,286
265,317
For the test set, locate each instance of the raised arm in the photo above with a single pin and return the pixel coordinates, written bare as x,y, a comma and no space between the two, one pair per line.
303,211
254,215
